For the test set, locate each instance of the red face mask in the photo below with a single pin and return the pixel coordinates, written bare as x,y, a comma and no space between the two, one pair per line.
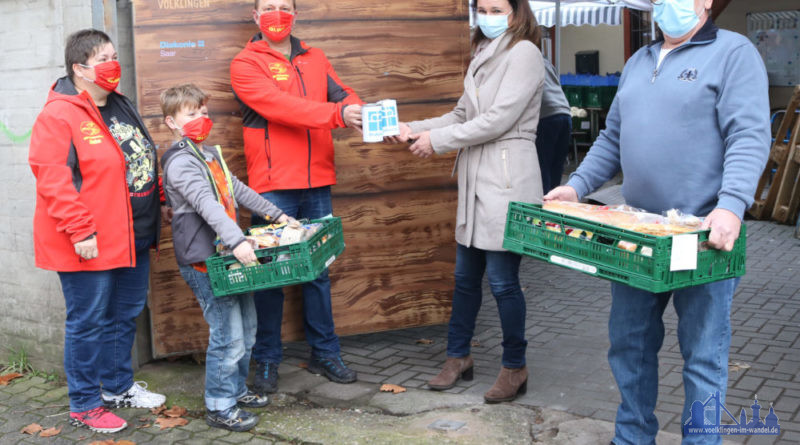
107,74
198,129
276,25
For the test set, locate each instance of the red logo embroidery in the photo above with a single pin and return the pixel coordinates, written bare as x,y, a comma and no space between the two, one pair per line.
92,132
280,71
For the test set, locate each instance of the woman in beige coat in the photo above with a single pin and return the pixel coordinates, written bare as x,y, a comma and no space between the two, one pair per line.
493,127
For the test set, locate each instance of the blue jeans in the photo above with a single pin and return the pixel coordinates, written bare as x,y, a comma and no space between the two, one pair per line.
100,328
318,325
503,271
231,333
636,332
552,146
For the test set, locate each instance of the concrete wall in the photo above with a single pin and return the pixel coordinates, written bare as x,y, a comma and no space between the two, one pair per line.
33,34
608,40
734,18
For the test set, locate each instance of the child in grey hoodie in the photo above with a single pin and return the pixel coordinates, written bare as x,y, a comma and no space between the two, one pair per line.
204,196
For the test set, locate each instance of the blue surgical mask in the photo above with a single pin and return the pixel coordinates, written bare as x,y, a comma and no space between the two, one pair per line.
492,25
676,18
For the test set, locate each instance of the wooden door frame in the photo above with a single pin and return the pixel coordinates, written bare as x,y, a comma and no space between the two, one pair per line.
626,32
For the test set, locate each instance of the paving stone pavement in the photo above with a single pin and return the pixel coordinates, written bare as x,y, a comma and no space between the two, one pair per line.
567,316
570,390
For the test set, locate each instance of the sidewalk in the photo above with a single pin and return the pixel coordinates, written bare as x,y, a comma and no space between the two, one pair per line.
309,410
571,395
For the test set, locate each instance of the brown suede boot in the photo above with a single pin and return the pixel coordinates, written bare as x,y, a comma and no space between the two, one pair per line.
509,384
454,368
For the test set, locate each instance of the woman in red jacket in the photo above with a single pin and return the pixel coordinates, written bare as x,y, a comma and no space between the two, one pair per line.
97,215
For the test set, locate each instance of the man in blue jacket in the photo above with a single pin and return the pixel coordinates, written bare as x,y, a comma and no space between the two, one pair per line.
689,129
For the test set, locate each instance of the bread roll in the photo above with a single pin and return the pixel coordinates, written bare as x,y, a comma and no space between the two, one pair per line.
624,217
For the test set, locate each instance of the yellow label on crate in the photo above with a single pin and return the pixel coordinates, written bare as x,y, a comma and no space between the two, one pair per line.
573,264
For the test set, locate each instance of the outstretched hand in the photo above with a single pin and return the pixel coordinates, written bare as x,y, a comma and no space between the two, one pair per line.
352,116
561,193
422,146
403,137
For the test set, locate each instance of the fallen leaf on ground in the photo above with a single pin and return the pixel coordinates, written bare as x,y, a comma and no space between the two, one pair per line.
32,429
737,366
424,341
175,411
146,425
158,410
125,442
50,432
475,343
171,422
103,442
303,365
143,419
388,387
5,378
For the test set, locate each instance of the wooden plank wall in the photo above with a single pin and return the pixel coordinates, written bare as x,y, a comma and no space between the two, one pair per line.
398,211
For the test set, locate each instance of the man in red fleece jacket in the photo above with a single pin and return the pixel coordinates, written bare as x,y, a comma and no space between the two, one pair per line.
291,99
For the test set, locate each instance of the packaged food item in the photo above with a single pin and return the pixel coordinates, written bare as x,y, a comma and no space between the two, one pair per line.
310,230
579,233
625,245
264,240
553,227
292,233
238,265
271,228
630,218
281,234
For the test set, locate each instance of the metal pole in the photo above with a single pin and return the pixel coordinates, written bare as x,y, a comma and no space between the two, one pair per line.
98,15
557,55
652,27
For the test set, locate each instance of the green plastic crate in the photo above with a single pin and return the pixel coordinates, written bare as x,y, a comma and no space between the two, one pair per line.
283,265
591,97
574,95
607,96
527,233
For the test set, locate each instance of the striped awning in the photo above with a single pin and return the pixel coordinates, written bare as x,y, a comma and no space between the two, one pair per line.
762,21
578,14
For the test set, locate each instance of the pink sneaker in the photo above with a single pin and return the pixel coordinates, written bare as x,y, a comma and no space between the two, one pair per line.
99,419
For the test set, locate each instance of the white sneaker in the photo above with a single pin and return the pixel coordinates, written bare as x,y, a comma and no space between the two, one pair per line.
137,396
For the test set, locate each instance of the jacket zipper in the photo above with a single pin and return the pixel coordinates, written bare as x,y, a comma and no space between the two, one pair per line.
268,150
124,167
658,66
308,132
